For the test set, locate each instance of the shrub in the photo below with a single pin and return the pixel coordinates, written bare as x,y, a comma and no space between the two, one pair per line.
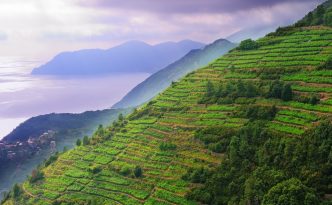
281,31
121,118
125,170
78,142
227,93
326,65
164,146
17,190
36,175
52,159
314,100
257,112
281,91
197,175
287,93
248,44
216,138
86,140
95,169
138,172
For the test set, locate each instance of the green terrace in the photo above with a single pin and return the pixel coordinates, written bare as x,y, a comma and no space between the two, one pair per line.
158,140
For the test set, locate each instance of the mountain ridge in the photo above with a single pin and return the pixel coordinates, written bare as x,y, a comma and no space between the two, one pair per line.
102,61
163,78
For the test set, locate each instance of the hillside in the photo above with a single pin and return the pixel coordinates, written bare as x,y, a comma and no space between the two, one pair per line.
68,127
61,122
253,127
160,80
143,58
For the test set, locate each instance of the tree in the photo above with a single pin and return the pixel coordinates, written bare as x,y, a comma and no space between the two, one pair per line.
86,140
120,117
78,142
275,90
52,159
287,93
138,172
16,190
259,183
314,100
248,44
209,89
36,175
240,89
290,192
309,19
328,19
251,90
320,12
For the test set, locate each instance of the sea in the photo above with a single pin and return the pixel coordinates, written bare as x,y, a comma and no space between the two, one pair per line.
23,95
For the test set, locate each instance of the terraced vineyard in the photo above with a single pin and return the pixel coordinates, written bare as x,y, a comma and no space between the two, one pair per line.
159,137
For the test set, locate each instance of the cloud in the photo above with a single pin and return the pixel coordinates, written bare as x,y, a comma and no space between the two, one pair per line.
187,6
3,36
45,27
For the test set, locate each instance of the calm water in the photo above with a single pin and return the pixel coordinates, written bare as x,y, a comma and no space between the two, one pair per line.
23,95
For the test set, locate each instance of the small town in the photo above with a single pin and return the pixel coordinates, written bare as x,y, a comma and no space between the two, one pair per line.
21,150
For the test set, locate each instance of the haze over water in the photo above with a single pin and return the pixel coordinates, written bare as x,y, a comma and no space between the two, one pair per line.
23,95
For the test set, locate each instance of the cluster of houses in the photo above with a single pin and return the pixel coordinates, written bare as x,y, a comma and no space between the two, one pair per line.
10,151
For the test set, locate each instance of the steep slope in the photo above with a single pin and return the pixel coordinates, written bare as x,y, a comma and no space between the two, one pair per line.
160,80
68,127
143,58
282,82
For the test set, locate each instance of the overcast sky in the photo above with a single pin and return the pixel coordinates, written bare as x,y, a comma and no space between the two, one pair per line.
41,28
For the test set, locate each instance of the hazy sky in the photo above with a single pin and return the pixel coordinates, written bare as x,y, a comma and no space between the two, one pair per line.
41,28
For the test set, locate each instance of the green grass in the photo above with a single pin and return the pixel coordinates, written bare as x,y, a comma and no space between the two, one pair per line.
286,129
303,115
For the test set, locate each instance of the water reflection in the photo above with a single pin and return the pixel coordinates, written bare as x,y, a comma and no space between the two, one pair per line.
23,96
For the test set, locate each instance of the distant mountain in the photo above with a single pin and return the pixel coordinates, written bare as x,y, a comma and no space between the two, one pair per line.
163,78
84,122
133,56
253,33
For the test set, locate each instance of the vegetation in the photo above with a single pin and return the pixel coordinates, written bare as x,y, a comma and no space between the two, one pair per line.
264,168
291,191
321,16
78,142
51,159
17,190
62,123
86,140
248,44
228,133
164,146
280,90
326,65
36,175
138,171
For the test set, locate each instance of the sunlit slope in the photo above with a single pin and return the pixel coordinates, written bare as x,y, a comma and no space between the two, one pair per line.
159,137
